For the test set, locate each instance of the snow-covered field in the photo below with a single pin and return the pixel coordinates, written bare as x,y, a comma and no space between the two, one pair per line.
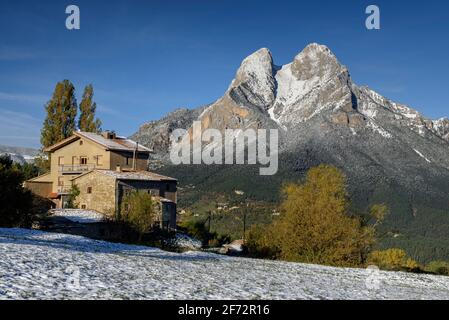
78,215
38,265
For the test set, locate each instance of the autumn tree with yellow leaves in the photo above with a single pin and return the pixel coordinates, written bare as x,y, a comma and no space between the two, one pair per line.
315,225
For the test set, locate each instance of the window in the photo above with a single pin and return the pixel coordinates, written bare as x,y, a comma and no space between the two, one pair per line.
83,160
153,192
89,189
60,181
99,160
83,206
127,161
61,161
81,142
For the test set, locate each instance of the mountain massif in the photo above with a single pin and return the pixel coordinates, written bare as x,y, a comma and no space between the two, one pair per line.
19,154
390,152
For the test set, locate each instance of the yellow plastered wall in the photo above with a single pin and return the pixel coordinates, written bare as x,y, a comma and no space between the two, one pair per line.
72,154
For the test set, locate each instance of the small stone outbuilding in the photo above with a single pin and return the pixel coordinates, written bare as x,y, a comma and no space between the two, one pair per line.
103,191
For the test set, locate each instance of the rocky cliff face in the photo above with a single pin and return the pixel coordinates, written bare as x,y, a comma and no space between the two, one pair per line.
156,134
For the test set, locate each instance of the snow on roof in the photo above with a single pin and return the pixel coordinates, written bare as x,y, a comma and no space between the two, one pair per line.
117,143
130,175
135,175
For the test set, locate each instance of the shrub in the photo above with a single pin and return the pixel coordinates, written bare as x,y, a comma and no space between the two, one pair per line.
393,259
41,206
218,240
198,230
138,210
438,267
260,243
74,193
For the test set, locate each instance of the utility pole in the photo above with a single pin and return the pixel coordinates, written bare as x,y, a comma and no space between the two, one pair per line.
244,225
245,212
209,218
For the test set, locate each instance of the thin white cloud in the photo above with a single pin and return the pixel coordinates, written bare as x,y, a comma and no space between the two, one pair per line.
102,109
106,110
19,128
23,97
9,53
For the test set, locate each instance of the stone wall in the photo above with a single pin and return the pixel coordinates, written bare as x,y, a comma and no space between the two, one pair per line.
102,195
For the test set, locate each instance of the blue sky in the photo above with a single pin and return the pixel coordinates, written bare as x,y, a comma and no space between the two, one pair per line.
146,58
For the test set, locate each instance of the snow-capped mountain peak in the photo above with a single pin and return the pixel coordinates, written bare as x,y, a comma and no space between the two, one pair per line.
315,81
316,61
254,82
314,84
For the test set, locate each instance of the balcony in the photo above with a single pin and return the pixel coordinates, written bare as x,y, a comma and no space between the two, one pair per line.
76,169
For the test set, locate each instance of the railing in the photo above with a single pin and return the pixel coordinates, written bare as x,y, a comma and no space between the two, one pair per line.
76,168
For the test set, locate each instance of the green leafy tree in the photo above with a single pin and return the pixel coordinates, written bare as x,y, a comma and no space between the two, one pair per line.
42,163
87,121
16,202
138,210
61,113
28,170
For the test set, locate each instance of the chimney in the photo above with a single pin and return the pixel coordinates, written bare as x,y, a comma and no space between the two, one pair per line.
118,168
108,134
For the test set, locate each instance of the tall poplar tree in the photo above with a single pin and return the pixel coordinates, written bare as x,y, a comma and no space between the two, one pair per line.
61,113
87,121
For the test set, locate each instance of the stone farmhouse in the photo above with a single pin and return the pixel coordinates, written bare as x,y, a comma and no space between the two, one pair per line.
105,167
